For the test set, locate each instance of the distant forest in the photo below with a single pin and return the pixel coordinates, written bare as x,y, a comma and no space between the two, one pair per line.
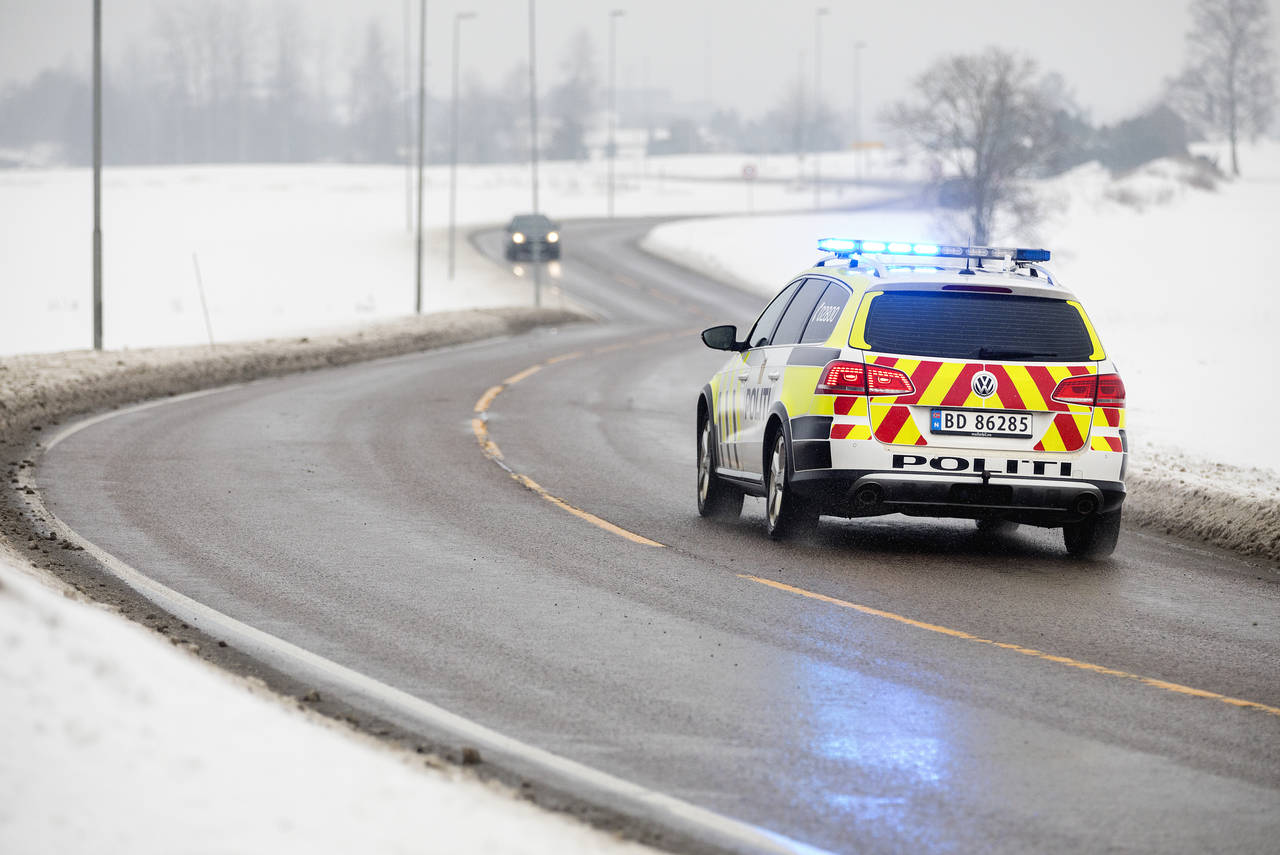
216,83
221,82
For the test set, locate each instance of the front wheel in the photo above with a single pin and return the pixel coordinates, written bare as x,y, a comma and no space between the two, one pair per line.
786,514
1094,537
716,499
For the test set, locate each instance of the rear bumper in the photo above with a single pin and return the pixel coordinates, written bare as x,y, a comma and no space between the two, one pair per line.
1037,501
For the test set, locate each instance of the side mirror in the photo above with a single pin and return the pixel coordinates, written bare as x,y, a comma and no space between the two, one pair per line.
721,338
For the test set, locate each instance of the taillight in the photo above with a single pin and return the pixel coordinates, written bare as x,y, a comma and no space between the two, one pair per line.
853,378
888,381
1103,390
1110,390
842,377
1077,390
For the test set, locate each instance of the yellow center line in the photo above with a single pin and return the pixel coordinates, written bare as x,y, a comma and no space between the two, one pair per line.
494,453
516,378
1027,651
487,398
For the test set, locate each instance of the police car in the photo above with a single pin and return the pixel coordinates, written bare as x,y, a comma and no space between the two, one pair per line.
922,379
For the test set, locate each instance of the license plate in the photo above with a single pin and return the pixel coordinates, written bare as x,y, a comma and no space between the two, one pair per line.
978,423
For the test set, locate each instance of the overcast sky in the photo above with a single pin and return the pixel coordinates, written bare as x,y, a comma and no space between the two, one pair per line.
1113,54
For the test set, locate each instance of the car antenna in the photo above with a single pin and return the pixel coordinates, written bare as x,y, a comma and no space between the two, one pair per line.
967,271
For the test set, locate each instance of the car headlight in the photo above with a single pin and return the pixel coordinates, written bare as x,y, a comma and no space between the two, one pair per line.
552,237
518,237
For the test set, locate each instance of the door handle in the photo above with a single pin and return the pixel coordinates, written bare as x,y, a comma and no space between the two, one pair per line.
742,378
774,375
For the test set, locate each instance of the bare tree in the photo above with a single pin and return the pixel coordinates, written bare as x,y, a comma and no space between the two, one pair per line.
1228,83
989,122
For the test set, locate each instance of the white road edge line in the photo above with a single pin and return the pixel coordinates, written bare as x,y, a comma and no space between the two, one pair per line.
650,805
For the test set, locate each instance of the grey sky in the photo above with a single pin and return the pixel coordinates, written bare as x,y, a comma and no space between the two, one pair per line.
1113,54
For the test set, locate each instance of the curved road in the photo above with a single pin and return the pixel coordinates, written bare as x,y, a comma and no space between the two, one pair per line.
890,685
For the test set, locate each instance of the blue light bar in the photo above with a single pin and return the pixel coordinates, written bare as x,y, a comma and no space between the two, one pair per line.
838,245
850,246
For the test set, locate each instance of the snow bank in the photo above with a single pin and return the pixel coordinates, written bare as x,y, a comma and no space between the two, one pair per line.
114,741
38,389
1168,265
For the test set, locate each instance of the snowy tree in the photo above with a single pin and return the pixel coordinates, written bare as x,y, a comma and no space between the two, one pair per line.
1228,84
989,122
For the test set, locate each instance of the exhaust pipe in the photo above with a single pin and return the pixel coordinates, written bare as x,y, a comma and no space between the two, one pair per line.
1085,504
867,497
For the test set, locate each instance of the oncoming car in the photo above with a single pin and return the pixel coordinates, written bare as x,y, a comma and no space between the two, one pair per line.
533,236
927,380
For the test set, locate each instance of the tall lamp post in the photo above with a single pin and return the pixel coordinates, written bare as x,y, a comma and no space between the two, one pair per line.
97,174
857,106
453,144
422,114
614,15
818,15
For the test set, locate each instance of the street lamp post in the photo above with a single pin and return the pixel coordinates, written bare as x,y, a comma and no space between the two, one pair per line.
614,15
422,114
857,106
97,174
818,15
453,145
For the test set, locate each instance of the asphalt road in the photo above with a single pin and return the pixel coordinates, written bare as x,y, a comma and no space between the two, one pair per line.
862,708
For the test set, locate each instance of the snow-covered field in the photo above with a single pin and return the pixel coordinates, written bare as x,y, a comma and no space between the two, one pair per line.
290,249
1173,276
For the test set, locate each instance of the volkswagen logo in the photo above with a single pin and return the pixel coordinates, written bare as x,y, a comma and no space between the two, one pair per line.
984,384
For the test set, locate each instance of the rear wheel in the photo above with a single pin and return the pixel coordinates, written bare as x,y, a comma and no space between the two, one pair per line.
716,499
785,513
1094,537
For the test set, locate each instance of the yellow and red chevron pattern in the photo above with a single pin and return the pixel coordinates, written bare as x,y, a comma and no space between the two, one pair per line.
850,418
950,384
1067,432
1107,424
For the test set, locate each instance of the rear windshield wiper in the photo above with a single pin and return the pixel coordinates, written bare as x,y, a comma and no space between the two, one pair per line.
1001,353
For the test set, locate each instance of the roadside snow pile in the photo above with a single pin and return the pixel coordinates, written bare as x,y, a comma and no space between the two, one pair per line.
1170,268
38,389
1229,506
114,741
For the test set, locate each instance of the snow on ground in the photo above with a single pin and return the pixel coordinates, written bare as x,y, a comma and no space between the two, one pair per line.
115,741
1172,275
284,250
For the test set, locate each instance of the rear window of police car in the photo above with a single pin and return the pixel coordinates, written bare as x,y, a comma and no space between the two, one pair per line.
977,326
